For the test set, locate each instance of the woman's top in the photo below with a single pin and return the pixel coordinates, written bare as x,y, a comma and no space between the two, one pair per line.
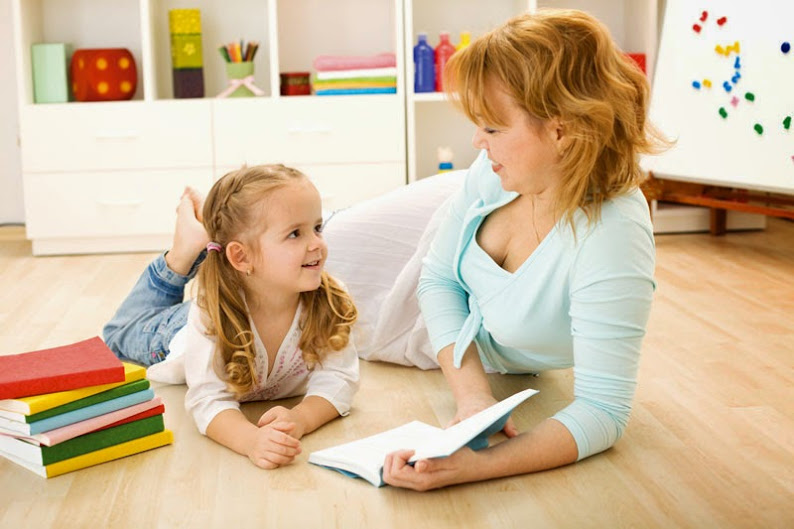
581,299
335,379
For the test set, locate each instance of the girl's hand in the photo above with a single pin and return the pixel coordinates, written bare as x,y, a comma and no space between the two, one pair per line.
274,446
282,414
471,404
427,474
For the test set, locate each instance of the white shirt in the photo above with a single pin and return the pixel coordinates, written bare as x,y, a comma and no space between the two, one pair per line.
335,379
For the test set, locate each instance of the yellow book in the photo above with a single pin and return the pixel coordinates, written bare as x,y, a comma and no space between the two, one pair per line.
90,459
39,403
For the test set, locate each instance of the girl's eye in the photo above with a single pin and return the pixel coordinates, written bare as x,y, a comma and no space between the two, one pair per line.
318,228
489,130
294,234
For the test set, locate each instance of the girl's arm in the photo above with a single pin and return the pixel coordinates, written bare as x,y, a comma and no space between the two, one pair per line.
307,416
267,447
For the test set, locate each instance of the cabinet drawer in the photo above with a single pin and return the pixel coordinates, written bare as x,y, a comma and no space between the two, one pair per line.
104,204
128,135
346,184
317,130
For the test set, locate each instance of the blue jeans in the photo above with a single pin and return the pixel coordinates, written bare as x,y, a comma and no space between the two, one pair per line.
154,310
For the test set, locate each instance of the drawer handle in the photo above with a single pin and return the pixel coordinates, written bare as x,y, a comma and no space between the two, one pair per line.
309,130
117,135
120,203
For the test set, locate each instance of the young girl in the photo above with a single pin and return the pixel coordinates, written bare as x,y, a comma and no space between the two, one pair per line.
268,322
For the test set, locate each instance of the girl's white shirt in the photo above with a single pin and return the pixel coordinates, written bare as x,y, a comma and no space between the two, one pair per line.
191,360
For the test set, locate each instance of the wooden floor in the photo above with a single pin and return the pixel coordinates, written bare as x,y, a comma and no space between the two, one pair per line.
710,442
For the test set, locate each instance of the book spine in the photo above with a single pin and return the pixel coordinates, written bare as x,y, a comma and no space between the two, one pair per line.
120,391
102,439
108,420
110,453
39,403
90,411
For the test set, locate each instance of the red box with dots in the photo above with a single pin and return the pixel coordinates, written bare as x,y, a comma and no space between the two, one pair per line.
103,74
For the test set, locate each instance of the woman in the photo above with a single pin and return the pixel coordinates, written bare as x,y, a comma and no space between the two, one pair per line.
544,259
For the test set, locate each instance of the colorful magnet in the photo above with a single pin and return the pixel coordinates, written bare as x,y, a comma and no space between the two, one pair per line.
787,123
785,47
696,85
721,21
723,112
727,86
749,96
758,128
735,101
707,83
696,28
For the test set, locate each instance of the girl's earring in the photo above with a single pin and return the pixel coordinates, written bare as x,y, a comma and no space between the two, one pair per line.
248,272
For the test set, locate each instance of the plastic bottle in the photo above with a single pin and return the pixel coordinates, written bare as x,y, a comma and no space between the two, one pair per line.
424,70
443,52
445,156
465,40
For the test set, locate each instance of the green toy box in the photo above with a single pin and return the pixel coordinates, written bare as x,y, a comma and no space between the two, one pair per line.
50,65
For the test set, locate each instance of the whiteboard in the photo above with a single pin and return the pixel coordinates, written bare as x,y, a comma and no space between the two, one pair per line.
710,148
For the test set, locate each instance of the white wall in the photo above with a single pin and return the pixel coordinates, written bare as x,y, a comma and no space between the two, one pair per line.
11,205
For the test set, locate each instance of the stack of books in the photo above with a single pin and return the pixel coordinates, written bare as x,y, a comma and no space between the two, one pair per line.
349,75
75,406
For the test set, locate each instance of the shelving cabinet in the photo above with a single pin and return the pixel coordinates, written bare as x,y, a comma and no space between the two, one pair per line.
432,122
102,177
106,176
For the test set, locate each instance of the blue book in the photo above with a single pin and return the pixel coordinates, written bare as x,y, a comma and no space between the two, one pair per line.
64,419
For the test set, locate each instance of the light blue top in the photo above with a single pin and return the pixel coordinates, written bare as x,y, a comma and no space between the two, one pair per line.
580,301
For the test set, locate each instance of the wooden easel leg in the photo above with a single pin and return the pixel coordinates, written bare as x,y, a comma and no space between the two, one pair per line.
719,221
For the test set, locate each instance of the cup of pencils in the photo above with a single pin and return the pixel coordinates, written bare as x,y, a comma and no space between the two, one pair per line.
239,59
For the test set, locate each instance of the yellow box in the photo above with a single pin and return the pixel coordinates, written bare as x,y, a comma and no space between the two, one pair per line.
184,21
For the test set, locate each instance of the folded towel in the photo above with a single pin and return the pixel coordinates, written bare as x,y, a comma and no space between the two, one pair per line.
355,91
351,83
365,72
349,62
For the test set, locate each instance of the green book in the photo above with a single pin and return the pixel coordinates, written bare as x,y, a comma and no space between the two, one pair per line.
119,391
84,444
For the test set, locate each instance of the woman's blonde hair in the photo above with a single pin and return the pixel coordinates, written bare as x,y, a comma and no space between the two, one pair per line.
234,211
563,64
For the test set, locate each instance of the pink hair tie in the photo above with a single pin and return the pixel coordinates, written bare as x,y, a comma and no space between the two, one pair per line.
214,247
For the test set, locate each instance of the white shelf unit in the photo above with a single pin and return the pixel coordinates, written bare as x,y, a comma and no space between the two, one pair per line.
432,122
105,177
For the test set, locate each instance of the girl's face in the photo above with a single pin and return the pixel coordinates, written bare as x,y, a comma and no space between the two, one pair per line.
292,251
523,152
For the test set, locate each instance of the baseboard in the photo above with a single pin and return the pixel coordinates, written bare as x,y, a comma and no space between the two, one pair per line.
680,218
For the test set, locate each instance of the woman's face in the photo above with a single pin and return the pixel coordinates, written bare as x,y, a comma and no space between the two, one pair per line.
525,151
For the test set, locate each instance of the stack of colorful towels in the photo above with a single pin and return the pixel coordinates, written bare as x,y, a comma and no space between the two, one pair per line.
345,75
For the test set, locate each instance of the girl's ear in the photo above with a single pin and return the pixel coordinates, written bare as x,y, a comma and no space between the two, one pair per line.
238,256
558,134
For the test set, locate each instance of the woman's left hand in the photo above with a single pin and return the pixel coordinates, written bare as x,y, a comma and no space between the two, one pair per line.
427,474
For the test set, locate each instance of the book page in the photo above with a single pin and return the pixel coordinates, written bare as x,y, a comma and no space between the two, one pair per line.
365,456
458,435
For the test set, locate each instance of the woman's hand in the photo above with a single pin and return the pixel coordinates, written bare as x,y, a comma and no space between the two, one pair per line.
427,474
274,446
470,404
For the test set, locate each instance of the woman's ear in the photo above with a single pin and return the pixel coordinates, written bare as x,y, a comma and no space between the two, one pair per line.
558,135
238,256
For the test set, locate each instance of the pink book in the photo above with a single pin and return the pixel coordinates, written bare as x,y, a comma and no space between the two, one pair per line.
78,365
108,420
324,63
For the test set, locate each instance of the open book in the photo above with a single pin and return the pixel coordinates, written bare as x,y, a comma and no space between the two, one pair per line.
364,458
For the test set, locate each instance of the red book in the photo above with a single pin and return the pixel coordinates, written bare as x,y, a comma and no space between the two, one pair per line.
81,364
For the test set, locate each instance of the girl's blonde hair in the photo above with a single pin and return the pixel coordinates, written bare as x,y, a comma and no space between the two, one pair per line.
563,64
234,211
